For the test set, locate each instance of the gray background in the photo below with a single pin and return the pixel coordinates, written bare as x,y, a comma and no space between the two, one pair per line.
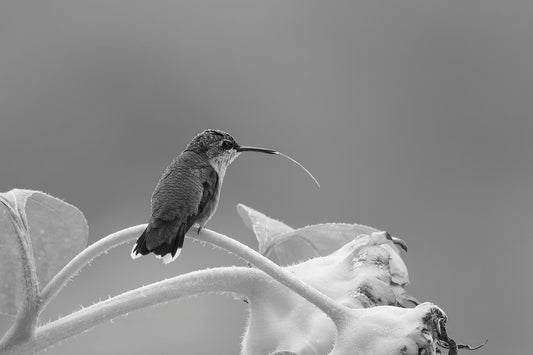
416,116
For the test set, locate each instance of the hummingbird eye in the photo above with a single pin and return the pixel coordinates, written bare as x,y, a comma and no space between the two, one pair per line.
226,144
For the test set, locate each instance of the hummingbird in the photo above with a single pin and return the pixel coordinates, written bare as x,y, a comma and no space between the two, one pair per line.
188,192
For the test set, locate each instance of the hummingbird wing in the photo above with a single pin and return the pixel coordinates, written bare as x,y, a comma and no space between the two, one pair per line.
185,192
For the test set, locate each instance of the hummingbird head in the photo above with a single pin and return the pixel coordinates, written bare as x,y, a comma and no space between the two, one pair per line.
220,148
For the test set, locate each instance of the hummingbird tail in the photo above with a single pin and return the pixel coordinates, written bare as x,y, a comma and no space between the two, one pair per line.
140,249
169,250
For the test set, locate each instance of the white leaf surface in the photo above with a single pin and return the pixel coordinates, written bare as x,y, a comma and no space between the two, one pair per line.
266,229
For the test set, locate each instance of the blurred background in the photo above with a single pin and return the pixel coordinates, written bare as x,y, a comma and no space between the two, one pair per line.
415,116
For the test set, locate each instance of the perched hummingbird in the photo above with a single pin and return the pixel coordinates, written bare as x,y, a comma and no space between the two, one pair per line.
188,192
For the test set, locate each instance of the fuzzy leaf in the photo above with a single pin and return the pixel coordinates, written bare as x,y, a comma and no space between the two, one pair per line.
392,330
357,275
265,228
58,231
285,245
312,241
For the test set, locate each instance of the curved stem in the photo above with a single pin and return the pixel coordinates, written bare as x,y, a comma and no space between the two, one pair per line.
334,310
239,280
85,257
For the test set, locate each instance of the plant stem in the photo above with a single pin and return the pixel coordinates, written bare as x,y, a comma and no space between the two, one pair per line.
162,291
335,311
239,280
85,257
327,305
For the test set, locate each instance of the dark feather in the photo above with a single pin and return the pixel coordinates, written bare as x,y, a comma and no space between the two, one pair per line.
186,194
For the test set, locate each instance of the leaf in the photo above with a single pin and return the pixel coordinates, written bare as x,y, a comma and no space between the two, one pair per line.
285,245
357,275
398,269
58,231
264,227
393,330
312,241
353,264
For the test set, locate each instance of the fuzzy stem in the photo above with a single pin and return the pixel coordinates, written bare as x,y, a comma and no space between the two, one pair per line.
331,308
29,309
238,280
85,257
327,305
122,304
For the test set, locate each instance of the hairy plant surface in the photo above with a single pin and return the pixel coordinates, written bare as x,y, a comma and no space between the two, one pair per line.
338,288
365,271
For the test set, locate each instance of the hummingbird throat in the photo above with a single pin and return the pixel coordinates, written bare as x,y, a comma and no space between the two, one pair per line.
221,162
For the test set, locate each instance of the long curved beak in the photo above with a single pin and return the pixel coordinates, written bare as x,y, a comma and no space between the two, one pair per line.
275,152
256,149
